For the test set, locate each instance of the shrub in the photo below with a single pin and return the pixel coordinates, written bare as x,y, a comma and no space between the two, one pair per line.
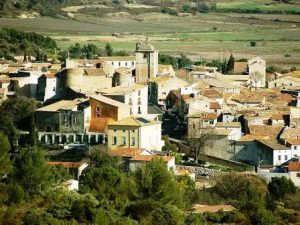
252,43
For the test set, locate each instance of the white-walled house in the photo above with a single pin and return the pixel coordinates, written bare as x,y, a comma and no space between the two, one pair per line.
235,127
134,95
294,144
139,160
284,82
119,61
294,173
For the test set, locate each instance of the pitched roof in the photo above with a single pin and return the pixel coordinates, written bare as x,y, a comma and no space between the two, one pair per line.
67,164
250,137
107,100
293,141
126,152
203,115
61,105
273,144
290,133
122,90
294,166
134,122
197,208
240,67
265,130
147,158
214,105
116,58
94,72
211,93
230,124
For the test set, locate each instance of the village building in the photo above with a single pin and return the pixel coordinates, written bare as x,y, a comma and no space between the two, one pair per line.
66,121
200,122
105,110
146,62
285,82
134,95
80,82
257,72
135,132
294,173
46,88
140,160
160,87
119,61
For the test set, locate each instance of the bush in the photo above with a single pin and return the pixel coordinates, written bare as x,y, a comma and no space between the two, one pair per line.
252,43
169,11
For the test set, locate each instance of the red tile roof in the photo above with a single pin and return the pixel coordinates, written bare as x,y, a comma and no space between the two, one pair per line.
148,158
294,166
126,152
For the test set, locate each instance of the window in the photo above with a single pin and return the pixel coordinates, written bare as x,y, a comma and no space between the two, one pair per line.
126,64
133,141
75,120
124,131
211,122
119,63
285,157
194,126
132,63
112,63
66,121
53,89
98,111
298,174
279,157
114,140
124,140
295,147
130,110
139,110
291,84
139,92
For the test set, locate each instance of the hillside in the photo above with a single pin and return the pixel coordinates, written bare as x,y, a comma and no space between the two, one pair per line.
71,8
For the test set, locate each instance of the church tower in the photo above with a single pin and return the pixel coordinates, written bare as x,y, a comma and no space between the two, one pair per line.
146,62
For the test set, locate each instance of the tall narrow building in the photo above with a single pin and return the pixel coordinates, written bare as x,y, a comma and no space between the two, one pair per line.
146,62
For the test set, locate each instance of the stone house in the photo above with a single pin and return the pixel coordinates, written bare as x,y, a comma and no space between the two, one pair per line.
134,95
160,87
65,121
199,123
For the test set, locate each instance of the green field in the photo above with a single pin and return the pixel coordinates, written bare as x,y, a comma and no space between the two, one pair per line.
208,36
260,6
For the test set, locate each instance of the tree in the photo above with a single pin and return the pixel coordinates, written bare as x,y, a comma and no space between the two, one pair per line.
183,61
108,49
279,187
197,140
230,64
31,171
155,182
5,162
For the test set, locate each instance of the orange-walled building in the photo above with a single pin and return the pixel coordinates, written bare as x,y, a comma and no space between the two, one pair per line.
105,110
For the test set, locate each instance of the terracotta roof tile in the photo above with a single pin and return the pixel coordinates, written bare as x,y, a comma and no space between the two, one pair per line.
293,141
148,158
294,166
126,152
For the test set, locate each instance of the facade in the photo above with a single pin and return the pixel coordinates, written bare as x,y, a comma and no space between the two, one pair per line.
200,122
65,122
285,82
294,173
135,132
119,61
133,95
257,71
137,161
146,62
46,88
105,110
161,86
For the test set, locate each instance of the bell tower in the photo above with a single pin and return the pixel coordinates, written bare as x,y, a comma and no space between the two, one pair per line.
146,62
